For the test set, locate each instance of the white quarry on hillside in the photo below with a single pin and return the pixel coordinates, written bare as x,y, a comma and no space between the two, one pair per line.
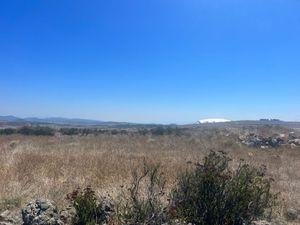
215,120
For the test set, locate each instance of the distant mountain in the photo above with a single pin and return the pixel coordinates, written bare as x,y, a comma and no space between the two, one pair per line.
64,121
6,121
11,119
59,121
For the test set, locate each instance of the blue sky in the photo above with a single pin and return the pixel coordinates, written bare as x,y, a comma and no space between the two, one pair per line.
150,61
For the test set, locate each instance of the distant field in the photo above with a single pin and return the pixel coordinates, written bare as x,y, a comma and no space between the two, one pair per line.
51,167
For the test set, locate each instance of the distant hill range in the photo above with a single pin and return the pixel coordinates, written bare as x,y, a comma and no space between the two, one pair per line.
16,121
12,121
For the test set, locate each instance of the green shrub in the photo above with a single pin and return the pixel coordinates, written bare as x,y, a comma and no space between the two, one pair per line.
142,204
158,131
69,131
37,131
123,132
164,130
212,194
89,210
143,131
114,132
7,131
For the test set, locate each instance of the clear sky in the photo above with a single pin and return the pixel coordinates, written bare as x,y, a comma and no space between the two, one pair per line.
150,61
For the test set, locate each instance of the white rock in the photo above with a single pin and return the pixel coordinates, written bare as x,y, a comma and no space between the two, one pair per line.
214,120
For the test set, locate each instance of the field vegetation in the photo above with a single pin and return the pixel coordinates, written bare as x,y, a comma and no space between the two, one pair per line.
52,166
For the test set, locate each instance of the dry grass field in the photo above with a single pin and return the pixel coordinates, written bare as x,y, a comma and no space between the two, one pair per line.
51,167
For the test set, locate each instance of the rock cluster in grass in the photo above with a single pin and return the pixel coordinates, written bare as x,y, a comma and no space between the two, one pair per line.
44,212
41,212
277,140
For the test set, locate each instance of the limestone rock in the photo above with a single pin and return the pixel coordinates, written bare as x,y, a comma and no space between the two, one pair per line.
41,212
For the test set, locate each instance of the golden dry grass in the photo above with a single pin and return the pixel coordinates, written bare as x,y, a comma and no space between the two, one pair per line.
51,167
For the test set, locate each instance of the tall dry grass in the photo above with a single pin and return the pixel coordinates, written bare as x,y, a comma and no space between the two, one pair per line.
51,167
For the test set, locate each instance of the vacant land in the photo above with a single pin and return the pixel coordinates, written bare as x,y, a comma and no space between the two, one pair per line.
52,166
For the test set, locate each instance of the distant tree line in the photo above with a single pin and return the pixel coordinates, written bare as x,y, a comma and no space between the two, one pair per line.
161,130
269,120
29,130
48,131
88,131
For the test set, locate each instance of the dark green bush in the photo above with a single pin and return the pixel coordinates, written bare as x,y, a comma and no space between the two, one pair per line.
91,131
212,194
69,131
143,131
7,131
123,132
37,131
142,204
163,130
89,208
29,130
114,132
158,131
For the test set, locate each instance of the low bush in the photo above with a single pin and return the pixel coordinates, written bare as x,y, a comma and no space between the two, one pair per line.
37,131
161,130
212,194
206,194
91,131
89,208
7,131
69,131
29,130
142,204
166,131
